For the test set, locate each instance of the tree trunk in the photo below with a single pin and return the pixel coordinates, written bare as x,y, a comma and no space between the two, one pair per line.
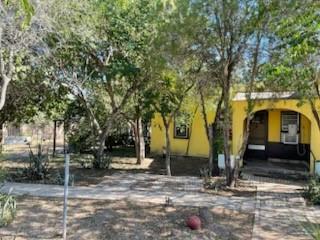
1,137
215,140
5,77
134,125
210,132
54,138
166,124
142,152
139,141
245,137
226,137
211,156
226,127
4,87
168,151
98,155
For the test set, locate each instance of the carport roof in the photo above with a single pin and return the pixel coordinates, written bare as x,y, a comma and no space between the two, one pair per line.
242,96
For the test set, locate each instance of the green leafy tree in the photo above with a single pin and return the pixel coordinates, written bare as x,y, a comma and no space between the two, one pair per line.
174,67
229,28
22,26
294,64
100,58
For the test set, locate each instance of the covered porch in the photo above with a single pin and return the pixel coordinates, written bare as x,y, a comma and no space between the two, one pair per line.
278,139
283,135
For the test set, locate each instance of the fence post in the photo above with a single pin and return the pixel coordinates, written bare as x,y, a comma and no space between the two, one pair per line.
65,199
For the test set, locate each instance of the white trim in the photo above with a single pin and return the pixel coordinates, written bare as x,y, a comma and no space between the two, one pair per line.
242,96
257,147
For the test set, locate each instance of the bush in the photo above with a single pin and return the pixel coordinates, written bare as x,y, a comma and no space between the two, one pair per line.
312,229
3,175
80,137
59,179
102,163
7,209
205,174
38,168
312,191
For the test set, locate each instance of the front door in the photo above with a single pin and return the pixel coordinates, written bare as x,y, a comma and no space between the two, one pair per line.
258,137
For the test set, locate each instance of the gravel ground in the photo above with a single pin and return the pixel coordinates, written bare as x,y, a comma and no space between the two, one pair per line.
41,218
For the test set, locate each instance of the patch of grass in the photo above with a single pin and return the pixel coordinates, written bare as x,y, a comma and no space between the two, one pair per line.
312,229
3,175
7,209
312,191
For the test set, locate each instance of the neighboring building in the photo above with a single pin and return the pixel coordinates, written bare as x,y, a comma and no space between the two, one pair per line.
25,134
283,128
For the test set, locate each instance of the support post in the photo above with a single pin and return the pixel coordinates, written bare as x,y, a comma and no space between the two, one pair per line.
65,199
54,138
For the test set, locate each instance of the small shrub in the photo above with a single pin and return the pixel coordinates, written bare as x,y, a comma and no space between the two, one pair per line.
59,179
312,229
104,162
215,184
205,174
312,191
7,209
85,163
38,168
3,175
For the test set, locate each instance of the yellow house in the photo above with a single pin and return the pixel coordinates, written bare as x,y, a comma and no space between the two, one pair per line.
282,128
190,142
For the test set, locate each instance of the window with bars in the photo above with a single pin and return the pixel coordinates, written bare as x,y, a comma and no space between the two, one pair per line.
181,125
289,127
289,118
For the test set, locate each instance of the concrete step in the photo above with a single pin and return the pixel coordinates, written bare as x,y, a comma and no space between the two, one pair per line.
280,173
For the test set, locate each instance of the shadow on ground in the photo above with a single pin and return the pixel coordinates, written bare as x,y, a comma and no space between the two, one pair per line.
40,218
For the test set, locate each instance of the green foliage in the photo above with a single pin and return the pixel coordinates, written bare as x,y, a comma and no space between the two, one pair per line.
23,9
312,191
30,95
59,179
312,229
103,163
28,10
218,142
3,175
293,64
7,209
183,118
38,168
80,137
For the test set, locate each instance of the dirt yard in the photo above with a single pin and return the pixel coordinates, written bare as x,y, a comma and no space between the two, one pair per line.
40,218
123,160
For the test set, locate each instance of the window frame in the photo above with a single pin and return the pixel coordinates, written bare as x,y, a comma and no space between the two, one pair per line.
289,113
187,136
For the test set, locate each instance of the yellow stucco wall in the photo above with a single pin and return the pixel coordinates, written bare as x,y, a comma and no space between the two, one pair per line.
274,125
309,126
305,130
196,145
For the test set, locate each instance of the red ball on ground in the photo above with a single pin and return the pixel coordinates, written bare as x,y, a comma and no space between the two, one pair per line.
194,222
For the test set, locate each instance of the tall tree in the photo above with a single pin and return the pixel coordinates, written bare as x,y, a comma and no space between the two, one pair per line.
22,26
294,64
230,26
174,67
100,57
